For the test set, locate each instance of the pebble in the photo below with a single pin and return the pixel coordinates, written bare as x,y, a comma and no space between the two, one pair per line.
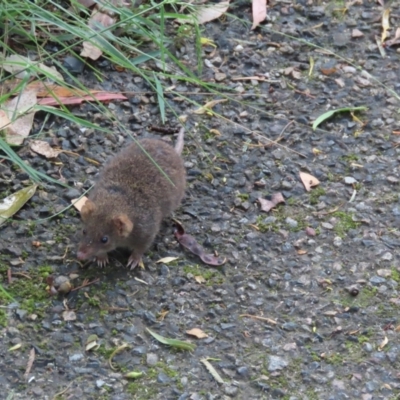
337,241
76,357
151,359
348,180
276,363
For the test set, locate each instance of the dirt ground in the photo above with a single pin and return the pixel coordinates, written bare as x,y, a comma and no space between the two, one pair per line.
306,306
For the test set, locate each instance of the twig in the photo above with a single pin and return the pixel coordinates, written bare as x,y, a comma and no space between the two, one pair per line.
62,391
31,359
85,284
269,320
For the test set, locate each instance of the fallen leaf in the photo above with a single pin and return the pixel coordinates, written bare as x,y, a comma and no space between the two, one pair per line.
91,51
133,375
384,342
22,66
92,343
98,21
259,12
16,347
209,13
212,370
31,360
267,205
44,149
79,203
166,260
179,344
208,106
13,203
200,279
197,333
385,23
69,315
395,40
4,120
308,180
20,111
330,113
189,242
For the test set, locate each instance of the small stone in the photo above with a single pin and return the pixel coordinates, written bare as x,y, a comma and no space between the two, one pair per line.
151,359
291,222
356,33
72,194
289,326
99,383
243,371
76,357
327,225
276,363
219,76
348,180
377,280
384,272
37,391
337,241
163,378
387,256
231,390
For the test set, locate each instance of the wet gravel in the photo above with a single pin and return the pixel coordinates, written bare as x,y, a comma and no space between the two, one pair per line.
291,315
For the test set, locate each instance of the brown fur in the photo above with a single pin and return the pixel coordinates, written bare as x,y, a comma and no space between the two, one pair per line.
130,199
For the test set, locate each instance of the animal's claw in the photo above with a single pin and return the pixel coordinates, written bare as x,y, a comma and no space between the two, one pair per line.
133,261
102,261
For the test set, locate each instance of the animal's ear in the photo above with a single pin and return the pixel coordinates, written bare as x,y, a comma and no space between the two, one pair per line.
123,225
87,209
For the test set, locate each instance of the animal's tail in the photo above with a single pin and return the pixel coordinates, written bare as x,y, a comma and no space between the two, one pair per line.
180,141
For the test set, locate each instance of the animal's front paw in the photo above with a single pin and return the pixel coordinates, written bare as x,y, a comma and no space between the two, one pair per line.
133,261
102,261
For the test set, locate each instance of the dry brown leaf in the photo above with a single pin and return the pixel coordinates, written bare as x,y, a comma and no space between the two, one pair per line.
384,342
16,64
267,205
19,109
209,13
308,180
200,279
98,21
4,120
197,333
385,24
259,12
208,106
31,360
91,51
395,40
79,203
69,315
44,149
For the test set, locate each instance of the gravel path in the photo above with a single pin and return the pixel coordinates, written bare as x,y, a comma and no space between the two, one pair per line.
306,306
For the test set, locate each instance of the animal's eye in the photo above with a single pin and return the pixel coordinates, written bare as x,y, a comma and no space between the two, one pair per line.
104,239
84,231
